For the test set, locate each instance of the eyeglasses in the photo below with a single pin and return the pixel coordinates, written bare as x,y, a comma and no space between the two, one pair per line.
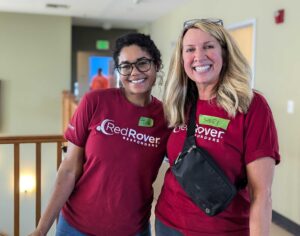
191,22
142,65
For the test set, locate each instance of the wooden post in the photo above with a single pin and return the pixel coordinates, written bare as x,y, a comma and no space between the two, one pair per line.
38,167
16,189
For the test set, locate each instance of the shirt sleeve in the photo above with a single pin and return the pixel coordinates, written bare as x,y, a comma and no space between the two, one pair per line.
260,138
78,128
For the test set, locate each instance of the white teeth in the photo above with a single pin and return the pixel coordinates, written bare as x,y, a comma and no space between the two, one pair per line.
202,68
137,81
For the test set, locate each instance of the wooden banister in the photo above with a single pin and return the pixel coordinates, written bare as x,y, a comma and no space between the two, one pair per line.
32,139
69,105
16,141
38,174
16,189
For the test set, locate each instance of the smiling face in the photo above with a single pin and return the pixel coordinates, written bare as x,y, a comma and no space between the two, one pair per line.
137,82
202,58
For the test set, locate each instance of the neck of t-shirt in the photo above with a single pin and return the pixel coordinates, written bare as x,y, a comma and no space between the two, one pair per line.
140,100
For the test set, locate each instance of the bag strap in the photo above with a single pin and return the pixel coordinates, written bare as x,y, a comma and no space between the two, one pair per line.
191,126
191,141
191,123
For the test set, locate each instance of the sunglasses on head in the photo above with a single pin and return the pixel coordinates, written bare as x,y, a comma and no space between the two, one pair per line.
191,22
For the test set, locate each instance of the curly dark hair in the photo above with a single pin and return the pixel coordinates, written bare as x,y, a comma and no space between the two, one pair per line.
141,40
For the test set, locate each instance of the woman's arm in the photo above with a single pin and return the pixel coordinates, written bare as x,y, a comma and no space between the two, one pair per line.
68,173
260,176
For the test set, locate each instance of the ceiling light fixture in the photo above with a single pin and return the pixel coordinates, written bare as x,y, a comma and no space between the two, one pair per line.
136,1
57,6
106,26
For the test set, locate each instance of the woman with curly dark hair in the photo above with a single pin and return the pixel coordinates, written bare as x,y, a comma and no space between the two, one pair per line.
116,144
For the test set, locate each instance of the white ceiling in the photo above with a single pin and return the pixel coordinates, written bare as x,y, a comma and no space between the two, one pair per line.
101,13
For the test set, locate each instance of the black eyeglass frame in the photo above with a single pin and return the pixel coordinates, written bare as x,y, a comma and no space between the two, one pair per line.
191,22
148,60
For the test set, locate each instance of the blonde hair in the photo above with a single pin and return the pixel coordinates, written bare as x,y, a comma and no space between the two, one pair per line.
233,91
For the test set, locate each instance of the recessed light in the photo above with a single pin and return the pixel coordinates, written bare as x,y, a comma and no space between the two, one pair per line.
136,1
57,6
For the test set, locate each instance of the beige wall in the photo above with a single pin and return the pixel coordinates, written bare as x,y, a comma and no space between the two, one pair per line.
35,55
277,63
34,69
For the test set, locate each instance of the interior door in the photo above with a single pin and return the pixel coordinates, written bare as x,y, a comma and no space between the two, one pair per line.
244,35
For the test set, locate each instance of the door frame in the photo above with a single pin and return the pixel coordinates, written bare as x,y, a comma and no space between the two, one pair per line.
243,24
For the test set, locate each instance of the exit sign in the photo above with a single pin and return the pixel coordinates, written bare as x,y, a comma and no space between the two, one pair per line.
102,44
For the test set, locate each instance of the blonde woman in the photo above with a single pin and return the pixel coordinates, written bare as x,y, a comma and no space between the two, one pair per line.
233,123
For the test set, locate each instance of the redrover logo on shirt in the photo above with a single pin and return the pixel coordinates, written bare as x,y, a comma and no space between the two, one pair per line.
207,133
108,127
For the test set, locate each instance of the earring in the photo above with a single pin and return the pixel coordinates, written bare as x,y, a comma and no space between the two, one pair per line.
159,77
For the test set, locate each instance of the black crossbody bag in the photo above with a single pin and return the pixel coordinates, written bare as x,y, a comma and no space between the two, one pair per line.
201,177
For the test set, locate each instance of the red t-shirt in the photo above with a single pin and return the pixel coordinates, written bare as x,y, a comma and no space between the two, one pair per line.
233,143
124,148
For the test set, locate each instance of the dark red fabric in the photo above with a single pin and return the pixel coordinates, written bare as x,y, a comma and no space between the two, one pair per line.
114,195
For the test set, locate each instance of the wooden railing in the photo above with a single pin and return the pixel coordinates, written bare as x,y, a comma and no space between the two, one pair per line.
16,141
69,105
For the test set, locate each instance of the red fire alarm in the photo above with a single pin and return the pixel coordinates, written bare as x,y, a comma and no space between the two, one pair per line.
279,16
